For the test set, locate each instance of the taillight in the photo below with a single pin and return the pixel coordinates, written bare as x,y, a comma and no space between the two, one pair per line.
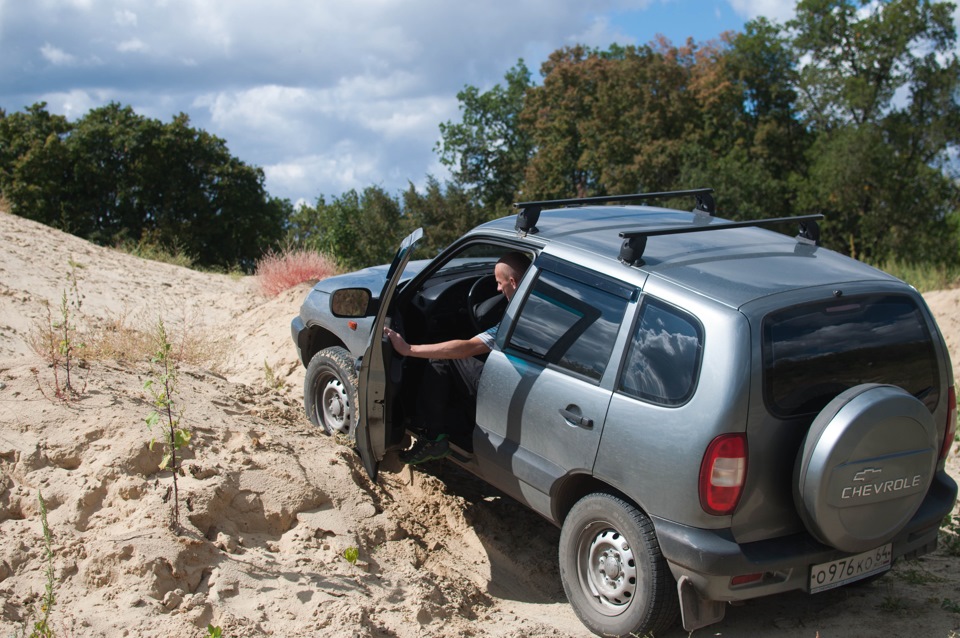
722,474
951,428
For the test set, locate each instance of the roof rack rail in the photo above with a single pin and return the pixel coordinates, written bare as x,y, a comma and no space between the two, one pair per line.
635,241
530,211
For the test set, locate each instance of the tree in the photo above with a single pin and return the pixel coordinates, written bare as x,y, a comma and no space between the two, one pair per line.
355,229
488,150
445,214
116,177
34,164
750,144
879,91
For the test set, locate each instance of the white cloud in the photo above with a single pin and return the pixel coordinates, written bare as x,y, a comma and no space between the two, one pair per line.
779,10
125,18
323,95
57,57
133,45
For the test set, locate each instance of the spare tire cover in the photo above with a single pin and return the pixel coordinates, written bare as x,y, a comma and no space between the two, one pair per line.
865,467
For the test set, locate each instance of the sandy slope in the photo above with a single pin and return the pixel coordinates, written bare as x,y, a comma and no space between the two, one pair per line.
269,506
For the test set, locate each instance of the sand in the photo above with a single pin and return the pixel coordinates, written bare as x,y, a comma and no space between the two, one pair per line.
269,507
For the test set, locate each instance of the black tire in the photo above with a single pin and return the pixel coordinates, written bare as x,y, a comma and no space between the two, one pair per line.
330,392
615,577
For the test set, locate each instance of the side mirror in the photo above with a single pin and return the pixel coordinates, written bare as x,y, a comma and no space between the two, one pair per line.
350,302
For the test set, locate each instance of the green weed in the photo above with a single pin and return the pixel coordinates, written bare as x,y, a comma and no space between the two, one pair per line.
273,381
166,412
351,554
950,535
57,342
949,605
38,620
923,277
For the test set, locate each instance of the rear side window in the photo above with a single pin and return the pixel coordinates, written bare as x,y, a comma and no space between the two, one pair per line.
814,352
571,321
664,355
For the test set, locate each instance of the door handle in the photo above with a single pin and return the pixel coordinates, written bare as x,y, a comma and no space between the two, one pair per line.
572,415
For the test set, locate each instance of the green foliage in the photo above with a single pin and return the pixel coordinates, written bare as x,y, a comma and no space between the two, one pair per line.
351,554
36,623
116,177
923,277
355,229
849,110
364,229
879,91
949,605
166,414
56,341
487,150
950,535
214,632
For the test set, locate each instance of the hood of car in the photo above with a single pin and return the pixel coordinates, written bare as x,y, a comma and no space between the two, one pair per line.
371,278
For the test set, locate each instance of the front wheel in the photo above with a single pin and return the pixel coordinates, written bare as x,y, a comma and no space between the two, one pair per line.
615,577
330,392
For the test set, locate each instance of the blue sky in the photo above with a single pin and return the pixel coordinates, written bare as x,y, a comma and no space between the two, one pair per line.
327,95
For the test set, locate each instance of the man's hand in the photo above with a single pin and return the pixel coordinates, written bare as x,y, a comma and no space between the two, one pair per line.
400,345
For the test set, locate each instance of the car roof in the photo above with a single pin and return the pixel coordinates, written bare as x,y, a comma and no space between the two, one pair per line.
733,266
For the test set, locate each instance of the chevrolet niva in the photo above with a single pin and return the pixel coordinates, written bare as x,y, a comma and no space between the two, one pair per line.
708,416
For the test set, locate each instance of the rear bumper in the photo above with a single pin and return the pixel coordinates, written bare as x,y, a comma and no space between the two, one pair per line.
710,558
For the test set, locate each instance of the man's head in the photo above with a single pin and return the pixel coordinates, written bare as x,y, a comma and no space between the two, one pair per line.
509,271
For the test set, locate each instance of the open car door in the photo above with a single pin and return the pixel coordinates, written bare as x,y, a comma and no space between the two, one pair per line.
372,425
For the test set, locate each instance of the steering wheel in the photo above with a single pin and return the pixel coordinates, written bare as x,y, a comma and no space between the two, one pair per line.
484,304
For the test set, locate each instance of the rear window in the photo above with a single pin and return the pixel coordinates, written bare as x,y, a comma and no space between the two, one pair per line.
814,352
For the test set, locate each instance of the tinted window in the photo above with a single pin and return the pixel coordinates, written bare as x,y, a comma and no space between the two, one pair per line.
664,355
813,353
570,323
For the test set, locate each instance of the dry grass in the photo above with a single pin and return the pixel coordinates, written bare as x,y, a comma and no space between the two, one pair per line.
277,272
132,339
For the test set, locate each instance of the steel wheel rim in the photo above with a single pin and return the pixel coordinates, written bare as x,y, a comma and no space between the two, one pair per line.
607,568
333,408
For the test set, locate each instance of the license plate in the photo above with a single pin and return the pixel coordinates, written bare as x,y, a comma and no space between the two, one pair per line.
847,570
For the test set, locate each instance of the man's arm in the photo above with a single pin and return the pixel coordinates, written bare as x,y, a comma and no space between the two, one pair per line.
454,349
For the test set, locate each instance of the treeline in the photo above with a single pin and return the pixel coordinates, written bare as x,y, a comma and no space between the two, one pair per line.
116,177
850,110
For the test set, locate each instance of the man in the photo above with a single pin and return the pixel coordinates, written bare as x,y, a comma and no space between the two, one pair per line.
453,366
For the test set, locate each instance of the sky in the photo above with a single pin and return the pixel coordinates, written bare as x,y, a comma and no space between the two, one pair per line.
325,96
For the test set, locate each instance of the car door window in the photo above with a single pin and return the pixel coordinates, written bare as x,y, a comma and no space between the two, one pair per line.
570,321
664,355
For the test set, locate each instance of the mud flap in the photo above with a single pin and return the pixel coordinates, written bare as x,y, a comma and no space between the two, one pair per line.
695,611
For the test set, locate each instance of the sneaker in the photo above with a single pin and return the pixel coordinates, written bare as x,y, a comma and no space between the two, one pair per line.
426,450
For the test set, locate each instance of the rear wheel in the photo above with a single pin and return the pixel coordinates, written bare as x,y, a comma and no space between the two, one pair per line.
614,575
330,392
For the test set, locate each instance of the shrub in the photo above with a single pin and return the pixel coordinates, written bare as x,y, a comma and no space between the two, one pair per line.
277,272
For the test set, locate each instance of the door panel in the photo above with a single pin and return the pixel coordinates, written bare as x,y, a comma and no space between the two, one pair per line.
372,396
543,394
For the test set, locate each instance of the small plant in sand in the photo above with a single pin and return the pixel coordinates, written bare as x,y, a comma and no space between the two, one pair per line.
273,381
166,414
57,341
950,534
351,554
37,622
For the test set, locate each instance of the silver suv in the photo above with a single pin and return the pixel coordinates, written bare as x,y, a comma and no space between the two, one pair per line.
707,416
